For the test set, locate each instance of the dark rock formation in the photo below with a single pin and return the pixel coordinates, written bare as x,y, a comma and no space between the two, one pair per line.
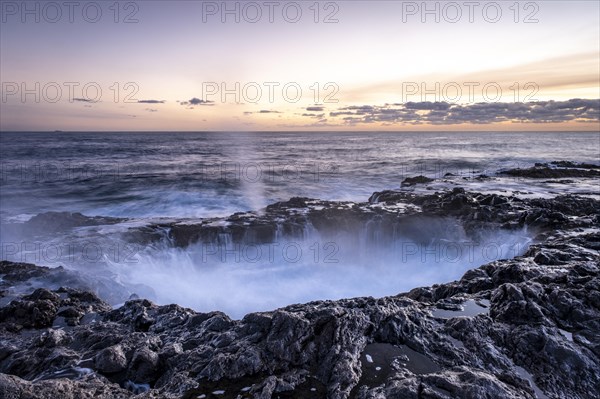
411,181
393,212
570,164
520,328
20,278
49,223
556,170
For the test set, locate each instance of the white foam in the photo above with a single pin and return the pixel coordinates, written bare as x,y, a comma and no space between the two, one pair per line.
246,278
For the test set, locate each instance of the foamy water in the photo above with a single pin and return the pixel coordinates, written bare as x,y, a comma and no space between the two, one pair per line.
242,278
179,175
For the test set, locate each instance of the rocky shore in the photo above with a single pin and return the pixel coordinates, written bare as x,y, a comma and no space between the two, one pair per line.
524,327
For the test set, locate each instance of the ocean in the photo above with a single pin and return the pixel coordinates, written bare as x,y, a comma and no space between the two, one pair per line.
146,178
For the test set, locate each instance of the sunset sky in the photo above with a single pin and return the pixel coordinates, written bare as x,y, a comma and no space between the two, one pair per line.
363,65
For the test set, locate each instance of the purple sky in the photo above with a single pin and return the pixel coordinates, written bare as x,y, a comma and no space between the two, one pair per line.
344,65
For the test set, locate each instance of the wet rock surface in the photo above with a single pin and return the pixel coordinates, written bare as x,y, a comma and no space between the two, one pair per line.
392,212
411,181
556,169
18,279
49,223
518,328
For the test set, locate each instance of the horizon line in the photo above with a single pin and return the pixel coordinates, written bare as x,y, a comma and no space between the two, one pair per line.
299,131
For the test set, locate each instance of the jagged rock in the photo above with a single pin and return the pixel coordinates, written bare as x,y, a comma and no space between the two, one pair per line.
411,181
570,164
33,311
111,360
563,169
53,222
91,387
144,365
513,328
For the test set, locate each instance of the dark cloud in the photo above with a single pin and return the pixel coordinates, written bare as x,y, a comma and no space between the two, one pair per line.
442,113
315,109
84,100
311,115
427,105
340,113
151,101
360,109
262,111
196,101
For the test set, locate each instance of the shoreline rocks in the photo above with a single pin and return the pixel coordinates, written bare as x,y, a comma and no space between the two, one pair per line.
524,327
555,170
411,181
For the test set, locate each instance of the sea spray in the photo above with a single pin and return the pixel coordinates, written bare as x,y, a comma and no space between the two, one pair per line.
244,277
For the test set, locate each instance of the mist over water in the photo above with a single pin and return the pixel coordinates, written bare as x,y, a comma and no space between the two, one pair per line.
243,278
147,178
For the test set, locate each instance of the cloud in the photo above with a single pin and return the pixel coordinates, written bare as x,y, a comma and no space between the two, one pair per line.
442,113
356,110
151,101
311,115
426,105
315,109
197,101
263,111
151,110
84,100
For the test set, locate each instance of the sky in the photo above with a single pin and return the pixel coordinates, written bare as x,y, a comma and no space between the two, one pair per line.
304,65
